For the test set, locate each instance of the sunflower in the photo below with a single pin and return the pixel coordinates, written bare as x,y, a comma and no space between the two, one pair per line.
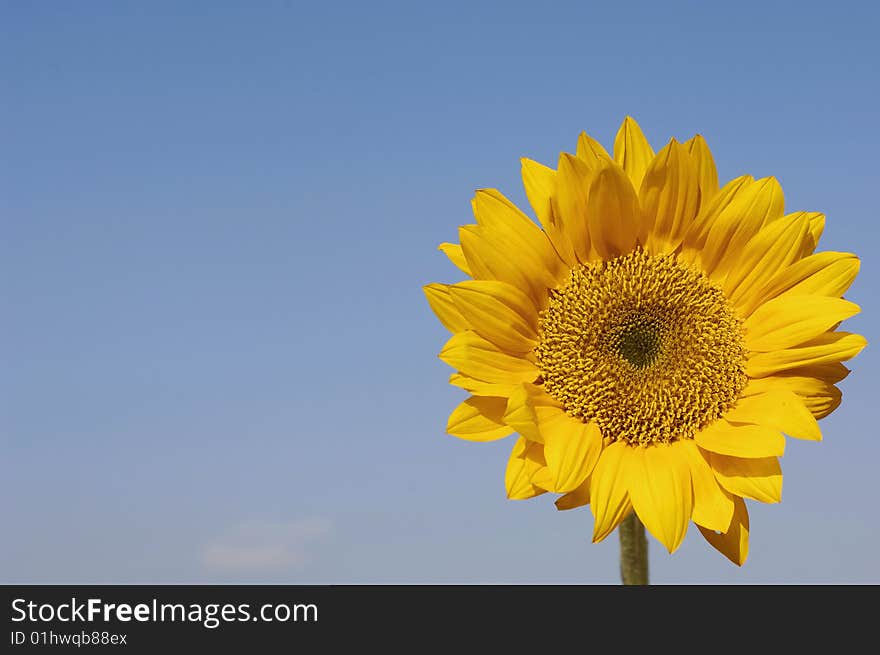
652,342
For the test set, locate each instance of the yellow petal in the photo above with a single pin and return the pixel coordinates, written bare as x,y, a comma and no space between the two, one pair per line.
771,250
670,196
748,441
456,256
572,182
526,459
577,498
821,405
632,152
827,348
754,205
591,151
473,243
713,507
489,260
756,478
791,320
518,233
509,299
779,409
498,312
733,543
531,412
571,450
609,495
822,274
543,478
613,213
696,236
520,414
527,265
817,393
705,165
661,491
472,355
817,226
540,185
479,418
481,388
441,302
831,371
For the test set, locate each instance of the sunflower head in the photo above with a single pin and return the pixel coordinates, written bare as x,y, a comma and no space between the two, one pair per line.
652,341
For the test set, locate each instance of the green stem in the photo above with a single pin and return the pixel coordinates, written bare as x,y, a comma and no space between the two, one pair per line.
633,551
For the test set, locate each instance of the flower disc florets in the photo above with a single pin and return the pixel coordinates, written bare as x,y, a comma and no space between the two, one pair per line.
648,348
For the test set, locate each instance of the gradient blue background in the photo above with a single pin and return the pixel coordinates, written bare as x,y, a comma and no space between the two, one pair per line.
217,361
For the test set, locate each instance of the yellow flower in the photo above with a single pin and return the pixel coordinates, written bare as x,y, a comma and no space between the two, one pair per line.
652,341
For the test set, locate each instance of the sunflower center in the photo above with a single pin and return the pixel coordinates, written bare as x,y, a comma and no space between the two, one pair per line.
646,347
639,343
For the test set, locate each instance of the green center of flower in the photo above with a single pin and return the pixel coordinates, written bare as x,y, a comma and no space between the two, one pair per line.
646,347
638,343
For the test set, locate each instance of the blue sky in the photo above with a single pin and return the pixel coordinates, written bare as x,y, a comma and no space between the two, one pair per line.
217,361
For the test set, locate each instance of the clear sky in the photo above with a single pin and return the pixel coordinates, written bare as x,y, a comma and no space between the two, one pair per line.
217,361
